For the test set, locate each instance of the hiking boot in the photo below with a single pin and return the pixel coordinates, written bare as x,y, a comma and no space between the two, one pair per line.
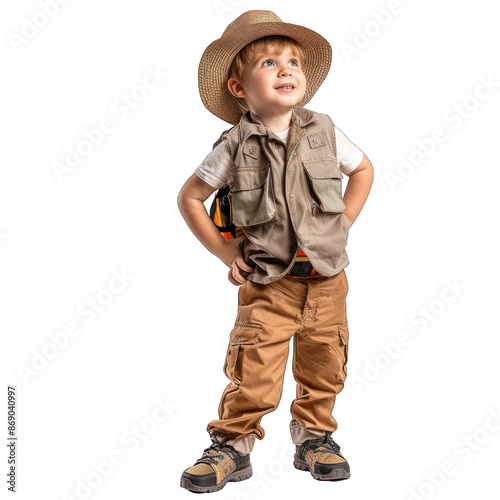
322,458
219,464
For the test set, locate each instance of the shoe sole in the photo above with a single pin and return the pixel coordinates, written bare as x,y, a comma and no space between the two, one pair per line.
336,474
239,475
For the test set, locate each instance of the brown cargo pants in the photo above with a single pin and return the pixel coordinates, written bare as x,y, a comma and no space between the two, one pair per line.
313,312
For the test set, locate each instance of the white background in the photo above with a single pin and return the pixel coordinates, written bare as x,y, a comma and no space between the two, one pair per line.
423,253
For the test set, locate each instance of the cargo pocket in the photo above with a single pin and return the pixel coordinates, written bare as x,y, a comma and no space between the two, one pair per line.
325,185
252,197
343,332
242,335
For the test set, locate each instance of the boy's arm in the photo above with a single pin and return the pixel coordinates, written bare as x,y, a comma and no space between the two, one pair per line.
357,189
190,202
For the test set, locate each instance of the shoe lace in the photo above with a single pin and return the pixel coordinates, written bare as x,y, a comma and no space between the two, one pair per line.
221,449
329,443
325,441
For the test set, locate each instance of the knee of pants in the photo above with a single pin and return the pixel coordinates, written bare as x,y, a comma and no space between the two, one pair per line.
262,386
329,356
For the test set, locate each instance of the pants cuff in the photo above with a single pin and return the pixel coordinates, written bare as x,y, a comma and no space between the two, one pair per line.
300,434
242,445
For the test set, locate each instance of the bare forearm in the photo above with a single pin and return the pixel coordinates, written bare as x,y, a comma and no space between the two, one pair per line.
356,193
198,220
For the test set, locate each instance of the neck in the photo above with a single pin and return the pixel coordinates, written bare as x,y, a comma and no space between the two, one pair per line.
275,123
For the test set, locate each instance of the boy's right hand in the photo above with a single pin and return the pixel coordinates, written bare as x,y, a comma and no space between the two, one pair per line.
233,258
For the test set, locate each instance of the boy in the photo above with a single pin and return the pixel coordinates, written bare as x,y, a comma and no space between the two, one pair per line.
283,165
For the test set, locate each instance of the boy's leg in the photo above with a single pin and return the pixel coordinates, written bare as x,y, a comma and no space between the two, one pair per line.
268,316
319,358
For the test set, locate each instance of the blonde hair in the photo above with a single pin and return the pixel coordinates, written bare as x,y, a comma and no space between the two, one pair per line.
272,43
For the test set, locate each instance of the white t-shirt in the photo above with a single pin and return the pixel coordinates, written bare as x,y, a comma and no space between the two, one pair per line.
217,168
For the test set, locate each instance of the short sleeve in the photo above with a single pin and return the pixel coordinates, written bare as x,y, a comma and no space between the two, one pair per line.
217,168
348,154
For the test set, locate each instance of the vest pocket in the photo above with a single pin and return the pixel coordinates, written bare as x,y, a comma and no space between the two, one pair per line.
252,197
325,186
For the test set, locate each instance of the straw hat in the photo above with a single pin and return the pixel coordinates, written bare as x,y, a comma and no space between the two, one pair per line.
215,63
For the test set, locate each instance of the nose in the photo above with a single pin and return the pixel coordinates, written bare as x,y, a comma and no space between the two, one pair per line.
285,71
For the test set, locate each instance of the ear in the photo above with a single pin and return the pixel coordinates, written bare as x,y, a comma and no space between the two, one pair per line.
235,88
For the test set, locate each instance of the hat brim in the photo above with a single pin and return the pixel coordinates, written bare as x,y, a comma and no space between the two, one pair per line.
215,63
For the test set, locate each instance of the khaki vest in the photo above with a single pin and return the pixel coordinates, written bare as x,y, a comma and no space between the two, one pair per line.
283,195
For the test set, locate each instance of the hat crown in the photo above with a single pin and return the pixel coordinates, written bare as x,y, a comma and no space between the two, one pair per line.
249,18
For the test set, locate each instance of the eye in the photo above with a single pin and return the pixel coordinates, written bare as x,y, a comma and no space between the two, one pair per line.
295,61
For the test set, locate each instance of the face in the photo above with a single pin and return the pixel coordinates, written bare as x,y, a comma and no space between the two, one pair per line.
263,83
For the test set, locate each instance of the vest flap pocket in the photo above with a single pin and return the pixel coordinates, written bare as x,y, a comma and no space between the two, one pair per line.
325,186
249,178
252,197
324,168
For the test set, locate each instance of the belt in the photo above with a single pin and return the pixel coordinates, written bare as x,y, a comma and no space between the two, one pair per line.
302,269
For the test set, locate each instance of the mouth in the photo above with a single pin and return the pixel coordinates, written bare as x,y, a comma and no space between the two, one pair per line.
286,87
